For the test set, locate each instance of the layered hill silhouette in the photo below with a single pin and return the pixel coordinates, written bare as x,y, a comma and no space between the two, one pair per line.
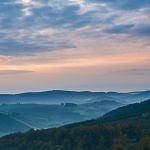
125,128
40,116
58,96
42,110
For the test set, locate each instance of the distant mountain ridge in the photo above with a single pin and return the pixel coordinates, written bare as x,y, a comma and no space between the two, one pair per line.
58,96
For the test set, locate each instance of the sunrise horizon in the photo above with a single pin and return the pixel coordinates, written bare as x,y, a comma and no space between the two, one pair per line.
74,45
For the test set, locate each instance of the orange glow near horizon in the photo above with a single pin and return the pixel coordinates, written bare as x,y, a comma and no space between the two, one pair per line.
81,62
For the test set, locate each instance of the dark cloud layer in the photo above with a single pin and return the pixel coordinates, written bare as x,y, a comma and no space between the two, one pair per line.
13,48
63,15
143,30
130,29
126,4
117,29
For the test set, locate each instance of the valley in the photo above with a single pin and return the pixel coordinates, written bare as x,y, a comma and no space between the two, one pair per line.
57,108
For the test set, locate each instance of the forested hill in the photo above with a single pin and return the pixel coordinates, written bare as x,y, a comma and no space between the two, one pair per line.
128,111
130,132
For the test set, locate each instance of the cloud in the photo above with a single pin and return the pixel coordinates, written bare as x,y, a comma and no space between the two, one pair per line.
118,29
133,30
35,26
142,30
30,26
13,48
126,4
11,72
26,2
136,71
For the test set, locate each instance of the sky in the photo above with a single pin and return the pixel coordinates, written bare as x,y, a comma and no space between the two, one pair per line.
97,45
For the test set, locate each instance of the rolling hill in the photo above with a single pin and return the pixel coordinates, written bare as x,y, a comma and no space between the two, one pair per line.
40,116
130,131
58,97
10,125
42,110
